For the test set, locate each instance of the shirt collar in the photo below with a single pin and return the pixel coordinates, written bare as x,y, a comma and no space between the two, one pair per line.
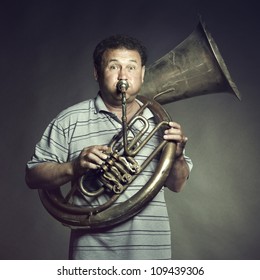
101,107
99,104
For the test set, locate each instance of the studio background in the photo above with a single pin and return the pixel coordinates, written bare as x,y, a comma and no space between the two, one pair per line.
46,66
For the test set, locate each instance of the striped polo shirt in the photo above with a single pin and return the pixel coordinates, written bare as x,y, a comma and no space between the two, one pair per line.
145,236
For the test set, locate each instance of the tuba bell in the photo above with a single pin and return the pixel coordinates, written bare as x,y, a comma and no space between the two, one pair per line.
195,67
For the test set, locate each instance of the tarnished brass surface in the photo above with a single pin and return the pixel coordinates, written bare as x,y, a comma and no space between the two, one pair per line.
195,67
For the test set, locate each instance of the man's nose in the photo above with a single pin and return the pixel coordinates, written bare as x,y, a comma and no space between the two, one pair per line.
122,75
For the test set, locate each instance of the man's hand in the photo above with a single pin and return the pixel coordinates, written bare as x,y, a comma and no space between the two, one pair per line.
89,158
175,133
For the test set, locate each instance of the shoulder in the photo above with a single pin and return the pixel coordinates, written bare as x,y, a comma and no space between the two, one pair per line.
76,109
79,112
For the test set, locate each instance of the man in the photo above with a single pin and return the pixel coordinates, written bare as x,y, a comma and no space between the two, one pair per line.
76,141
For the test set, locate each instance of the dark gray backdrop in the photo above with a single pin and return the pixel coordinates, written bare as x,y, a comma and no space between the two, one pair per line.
46,65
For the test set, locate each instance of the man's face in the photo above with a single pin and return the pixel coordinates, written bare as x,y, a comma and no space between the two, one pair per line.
116,65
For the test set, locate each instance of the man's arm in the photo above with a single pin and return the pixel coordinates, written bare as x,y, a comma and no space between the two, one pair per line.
49,175
179,172
178,176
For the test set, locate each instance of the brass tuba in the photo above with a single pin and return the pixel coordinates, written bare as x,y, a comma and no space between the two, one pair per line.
195,67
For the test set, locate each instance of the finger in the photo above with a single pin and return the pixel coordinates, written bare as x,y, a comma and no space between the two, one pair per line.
174,125
173,134
173,131
100,152
90,165
102,147
184,142
174,128
181,147
95,157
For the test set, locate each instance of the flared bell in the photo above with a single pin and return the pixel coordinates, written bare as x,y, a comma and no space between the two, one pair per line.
195,67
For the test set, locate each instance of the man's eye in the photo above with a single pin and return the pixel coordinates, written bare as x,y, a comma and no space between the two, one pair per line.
131,67
113,67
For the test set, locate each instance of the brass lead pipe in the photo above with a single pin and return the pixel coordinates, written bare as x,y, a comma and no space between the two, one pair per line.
124,121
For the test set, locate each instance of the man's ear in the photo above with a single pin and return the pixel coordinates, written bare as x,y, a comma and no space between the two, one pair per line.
95,74
143,73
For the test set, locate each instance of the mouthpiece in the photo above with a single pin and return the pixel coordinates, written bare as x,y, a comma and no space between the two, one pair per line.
122,86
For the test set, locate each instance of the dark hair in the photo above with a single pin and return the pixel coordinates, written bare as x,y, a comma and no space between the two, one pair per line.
118,42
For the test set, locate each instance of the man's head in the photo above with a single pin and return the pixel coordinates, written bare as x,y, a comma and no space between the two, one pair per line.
119,58
118,42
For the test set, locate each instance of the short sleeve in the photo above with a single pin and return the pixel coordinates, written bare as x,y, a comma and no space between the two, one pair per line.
53,146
